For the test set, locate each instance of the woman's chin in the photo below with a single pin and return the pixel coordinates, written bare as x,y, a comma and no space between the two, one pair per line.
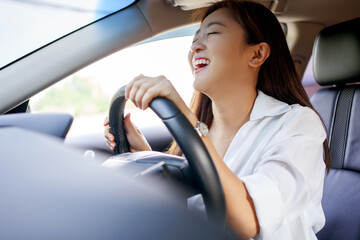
202,84
199,85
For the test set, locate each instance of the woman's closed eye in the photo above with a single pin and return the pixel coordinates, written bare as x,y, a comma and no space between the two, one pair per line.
212,33
208,34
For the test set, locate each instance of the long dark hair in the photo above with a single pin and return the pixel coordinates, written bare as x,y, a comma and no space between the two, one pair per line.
277,75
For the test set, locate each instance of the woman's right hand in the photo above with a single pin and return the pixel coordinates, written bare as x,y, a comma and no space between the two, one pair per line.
134,136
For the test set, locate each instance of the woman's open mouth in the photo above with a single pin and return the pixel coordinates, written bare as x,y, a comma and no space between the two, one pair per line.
200,64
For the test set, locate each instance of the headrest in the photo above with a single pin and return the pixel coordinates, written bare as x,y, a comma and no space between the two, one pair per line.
337,54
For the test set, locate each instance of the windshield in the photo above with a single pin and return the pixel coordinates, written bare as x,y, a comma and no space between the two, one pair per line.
27,25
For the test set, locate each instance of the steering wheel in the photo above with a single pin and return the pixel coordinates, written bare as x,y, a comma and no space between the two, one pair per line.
199,160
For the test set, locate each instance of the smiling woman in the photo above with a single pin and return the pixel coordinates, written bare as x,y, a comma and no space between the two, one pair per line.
249,95
29,25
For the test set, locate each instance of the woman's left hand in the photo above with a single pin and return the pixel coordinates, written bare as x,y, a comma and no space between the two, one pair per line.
142,90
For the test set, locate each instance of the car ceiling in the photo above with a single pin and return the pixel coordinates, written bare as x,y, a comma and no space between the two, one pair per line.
319,11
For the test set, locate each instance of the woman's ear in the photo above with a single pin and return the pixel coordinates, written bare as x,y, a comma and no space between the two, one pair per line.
260,54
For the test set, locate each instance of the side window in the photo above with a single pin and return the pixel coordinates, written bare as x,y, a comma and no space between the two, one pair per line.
86,94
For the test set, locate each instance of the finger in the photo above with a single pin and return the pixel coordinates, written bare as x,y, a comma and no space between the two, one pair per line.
130,85
111,145
106,130
139,85
109,140
161,88
106,121
150,94
139,89
109,136
132,92
129,126
145,86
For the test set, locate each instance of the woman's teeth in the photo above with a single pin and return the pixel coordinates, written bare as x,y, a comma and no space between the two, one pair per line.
199,63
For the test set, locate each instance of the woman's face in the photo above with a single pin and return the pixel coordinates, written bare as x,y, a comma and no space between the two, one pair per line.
219,55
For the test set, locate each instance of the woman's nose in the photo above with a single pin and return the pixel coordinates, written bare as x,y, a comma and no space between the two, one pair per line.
197,47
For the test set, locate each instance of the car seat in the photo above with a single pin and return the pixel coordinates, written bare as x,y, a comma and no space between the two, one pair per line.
336,64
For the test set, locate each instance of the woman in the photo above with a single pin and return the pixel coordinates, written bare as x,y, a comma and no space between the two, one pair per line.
265,139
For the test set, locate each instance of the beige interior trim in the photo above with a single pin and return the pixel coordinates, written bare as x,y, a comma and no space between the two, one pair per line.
300,38
278,6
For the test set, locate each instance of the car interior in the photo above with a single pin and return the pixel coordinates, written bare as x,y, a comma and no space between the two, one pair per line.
323,35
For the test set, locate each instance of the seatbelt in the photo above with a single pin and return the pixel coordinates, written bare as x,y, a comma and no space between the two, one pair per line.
340,127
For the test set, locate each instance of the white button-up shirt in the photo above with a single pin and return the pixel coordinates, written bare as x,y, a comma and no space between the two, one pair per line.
278,154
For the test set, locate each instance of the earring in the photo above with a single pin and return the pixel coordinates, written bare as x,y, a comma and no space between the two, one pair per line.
253,61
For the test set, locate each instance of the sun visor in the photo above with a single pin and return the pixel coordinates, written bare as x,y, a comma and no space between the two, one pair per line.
191,4
277,6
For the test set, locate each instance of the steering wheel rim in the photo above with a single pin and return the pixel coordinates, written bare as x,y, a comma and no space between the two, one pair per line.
200,161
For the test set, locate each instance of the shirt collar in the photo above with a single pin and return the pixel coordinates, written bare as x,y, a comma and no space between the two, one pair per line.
267,106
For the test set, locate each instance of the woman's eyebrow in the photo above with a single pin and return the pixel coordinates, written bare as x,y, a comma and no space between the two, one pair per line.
209,25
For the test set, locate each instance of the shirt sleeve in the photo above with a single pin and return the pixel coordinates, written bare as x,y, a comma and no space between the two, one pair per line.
290,173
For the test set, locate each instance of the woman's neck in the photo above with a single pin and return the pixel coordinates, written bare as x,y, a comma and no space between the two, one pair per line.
231,111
